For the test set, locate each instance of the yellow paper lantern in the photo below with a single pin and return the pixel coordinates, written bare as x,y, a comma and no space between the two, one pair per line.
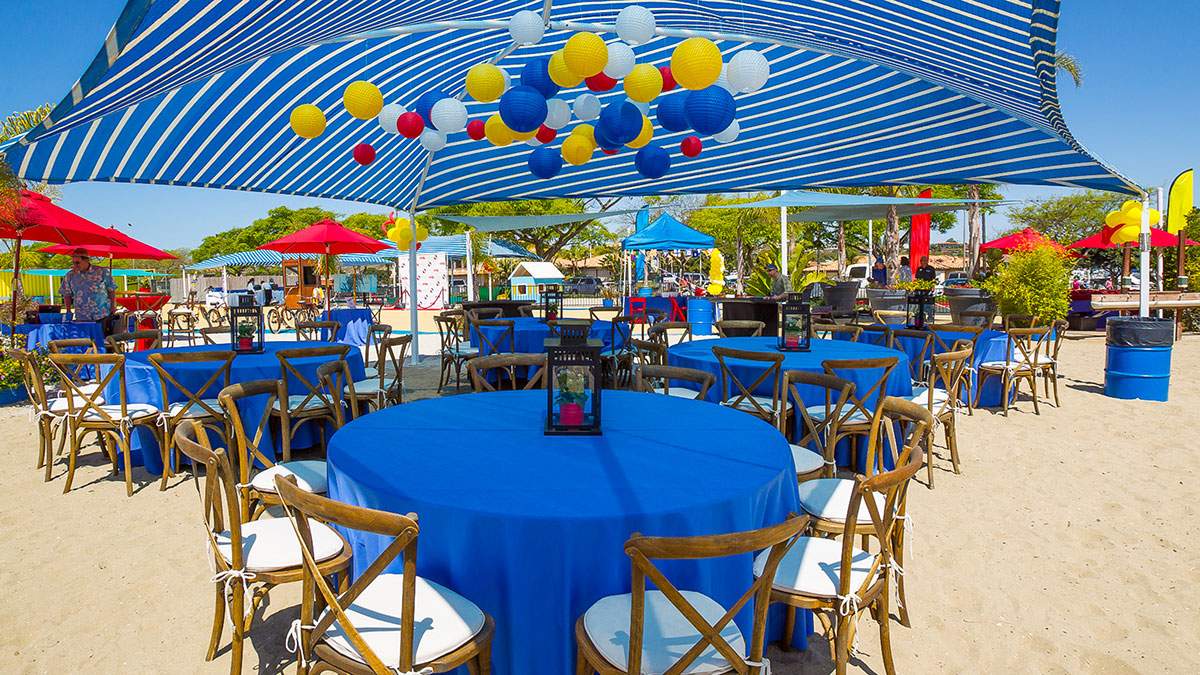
586,131
560,74
485,82
585,54
643,83
362,100
644,135
696,63
307,121
523,135
577,150
496,131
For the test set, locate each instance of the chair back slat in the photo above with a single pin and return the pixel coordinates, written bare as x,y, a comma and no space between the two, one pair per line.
649,352
31,375
376,334
877,334
831,331
651,377
603,313
865,403
820,429
218,377
504,344
480,368
740,328
120,343
91,405
311,331
252,443
923,339
310,390
770,369
660,332
216,487
392,353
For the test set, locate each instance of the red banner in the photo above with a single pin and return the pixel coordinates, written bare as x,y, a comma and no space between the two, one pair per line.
918,237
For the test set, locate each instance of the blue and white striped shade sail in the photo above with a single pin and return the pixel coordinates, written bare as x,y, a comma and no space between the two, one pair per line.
861,92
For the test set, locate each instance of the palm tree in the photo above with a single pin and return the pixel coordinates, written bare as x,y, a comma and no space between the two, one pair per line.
1069,65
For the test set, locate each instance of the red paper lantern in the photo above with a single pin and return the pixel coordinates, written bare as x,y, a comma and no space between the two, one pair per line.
668,79
364,154
545,134
475,130
410,125
607,151
691,146
600,82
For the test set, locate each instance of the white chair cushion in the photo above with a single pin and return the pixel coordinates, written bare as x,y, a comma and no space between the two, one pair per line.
196,410
681,392
1001,365
444,621
806,460
310,476
667,636
371,372
86,389
295,400
136,411
366,387
463,350
817,413
744,404
829,499
941,398
271,544
813,566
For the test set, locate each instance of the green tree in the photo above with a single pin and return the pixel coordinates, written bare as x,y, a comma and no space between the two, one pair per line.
1071,218
1069,65
544,242
278,222
370,224
16,124
740,233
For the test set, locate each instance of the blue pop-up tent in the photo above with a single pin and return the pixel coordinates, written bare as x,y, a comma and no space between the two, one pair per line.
667,234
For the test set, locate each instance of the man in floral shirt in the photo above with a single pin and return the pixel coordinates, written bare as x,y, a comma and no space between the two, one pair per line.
88,290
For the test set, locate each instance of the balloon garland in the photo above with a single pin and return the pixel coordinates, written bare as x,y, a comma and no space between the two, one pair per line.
1125,224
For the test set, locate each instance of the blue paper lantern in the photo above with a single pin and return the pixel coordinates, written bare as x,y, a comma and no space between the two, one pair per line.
536,74
425,103
670,112
545,162
621,122
652,161
523,109
603,140
710,110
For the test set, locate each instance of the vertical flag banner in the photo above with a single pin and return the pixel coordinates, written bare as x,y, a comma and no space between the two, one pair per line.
918,236
1180,201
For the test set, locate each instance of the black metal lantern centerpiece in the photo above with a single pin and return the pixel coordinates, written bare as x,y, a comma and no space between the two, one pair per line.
552,302
918,308
795,324
245,325
573,377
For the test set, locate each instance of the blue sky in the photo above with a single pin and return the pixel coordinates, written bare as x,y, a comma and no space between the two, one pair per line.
1137,110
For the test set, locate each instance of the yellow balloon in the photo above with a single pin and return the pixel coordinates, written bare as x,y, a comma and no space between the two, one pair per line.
560,74
1126,233
587,131
696,63
362,100
643,83
1130,206
396,233
644,135
577,150
496,131
1155,217
1114,219
485,82
401,222
715,288
585,54
307,121
422,233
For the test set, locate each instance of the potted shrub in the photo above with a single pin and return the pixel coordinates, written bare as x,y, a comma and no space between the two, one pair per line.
1036,282
969,298
842,295
887,299
245,336
572,394
12,381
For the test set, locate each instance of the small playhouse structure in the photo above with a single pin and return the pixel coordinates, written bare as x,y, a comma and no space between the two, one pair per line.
529,279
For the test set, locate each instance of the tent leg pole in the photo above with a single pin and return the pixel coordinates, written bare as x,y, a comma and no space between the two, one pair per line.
413,316
470,269
1144,260
783,241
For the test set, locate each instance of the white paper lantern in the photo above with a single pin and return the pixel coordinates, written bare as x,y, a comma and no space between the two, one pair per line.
643,108
748,71
449,115
621,60
526,27
388,116
635,25
432,140
507,80
730,133
587,107
723,79
533,142
558,113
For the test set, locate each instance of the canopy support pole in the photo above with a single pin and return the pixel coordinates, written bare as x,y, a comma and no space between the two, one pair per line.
783,241
225,284
870,244
414,322
470,269
1144,260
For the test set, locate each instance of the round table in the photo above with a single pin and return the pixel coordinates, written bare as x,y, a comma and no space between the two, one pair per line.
38,336
143,385
530,333
355,324
531,527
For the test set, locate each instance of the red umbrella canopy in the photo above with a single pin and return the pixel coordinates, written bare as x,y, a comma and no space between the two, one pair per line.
130,249
36,218
328,237
1158,239
1024,240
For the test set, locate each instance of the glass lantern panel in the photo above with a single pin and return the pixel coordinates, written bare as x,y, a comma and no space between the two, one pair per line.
574,387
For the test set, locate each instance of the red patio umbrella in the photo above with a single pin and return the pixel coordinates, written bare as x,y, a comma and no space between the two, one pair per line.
327,237
129,249
1026,239
1158,239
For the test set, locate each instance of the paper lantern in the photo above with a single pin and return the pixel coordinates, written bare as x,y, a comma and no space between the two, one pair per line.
560,73
668,78
696,63
424,105
729,134
449,115
545,162
587,131
585,54
609,151
364,154
691,146
485,82
558,113
652,162
362,99
388,116
523,135
748,71
587,107
710,110
602,140
642,107
577,150
644,136
307,121
433,140
523,109
621,60
475,130
536,74
526,27
643,83
635,24
600,82
670,112
410,125
545,134
621,122
723,79
496,132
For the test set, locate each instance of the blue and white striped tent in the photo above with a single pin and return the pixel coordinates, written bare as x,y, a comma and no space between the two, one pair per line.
455,246
862,92
263,258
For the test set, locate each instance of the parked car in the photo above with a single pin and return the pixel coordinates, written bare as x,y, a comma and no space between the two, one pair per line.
583,286
956,280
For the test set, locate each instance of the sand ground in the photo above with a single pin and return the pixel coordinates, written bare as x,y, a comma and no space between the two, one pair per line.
1068,544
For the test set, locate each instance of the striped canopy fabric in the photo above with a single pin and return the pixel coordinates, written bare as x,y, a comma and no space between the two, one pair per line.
263,258
455,246
862,92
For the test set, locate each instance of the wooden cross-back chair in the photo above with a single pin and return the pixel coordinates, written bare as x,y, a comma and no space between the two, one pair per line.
454,351
735,393
121,343
181,327
88,413
370,627
1010,321
612,635
949,370
1048,362
855,421
978,318
504,367
386,386
199,405
890,317
619,355
336,380
918,359
471,316
876,334
660,332
317,331
376,334
835,578
209,334
1021,362
603,313
49,414
818,421
739,328
570,329
525,311
459,317
945,336
647,352
827,331
505,343
84,377
311,403
657,379
250,558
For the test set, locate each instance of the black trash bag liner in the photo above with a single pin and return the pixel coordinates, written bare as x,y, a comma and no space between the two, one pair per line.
1134,331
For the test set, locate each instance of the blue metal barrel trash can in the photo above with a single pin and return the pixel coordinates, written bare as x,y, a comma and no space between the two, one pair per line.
1138,363
700,315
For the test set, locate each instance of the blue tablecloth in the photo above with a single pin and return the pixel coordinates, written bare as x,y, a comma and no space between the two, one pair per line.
38,336
531,527
530,333
142,385
355,325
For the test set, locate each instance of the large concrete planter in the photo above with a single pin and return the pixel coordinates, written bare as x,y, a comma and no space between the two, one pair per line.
841,296
887,299
969,300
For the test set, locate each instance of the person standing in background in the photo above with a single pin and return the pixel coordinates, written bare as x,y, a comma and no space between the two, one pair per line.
904,274
879,275
89,291
925,271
